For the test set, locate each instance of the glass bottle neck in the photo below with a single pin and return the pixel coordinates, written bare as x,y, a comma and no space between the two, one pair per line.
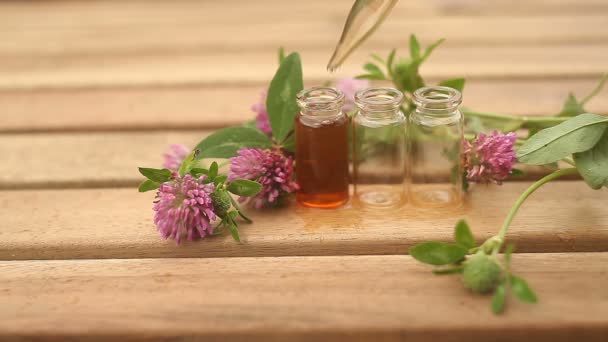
440,102
379,103
322,102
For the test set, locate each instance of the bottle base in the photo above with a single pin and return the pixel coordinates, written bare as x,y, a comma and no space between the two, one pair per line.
322,201
381,199
432,197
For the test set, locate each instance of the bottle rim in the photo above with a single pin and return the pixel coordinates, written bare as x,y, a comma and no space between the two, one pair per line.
378,99
320,99
437,97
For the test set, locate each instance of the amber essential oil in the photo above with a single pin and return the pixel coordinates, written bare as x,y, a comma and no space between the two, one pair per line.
322,145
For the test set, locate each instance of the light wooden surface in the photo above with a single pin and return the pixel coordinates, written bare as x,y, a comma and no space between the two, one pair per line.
388,298
89,90
74,224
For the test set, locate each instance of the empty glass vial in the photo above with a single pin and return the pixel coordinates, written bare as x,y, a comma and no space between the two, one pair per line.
379,148
435,136
322,145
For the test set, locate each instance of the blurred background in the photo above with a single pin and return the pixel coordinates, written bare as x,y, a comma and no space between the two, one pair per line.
114,82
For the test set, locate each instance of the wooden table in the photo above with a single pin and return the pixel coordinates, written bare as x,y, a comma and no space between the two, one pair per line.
89,90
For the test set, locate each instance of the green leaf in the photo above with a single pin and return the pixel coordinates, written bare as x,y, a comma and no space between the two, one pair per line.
414,47
522,291
148,185
508,252
281,55
213,170
571,107
456,83
498,300
198,171
438,253
281,100
226,142
593,164
430,49
290,143
234,231
220,179
377,58
578,134
517,173
244,187
242,214
406,76
463,235
373,69
390,59
189,163
370,77
156,175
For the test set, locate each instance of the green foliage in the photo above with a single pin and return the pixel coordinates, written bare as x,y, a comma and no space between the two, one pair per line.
405,73
221,202
593,163
281,100
148,185
456,83
578,134
189,163
522,291
438,253
156,175
463,235
226,142
244,187
481,273
498,300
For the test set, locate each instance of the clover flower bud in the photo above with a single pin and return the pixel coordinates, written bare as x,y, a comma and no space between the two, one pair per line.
221,202
481,273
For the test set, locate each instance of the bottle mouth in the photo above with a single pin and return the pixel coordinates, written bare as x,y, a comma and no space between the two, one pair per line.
437,98
378,99
320,99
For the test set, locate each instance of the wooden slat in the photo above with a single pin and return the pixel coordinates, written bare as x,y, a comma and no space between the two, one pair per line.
203,106
364,298
84,159
257,67
89,223
77,29
101,159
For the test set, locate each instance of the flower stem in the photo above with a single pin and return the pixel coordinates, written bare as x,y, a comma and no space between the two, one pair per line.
528,192
523,118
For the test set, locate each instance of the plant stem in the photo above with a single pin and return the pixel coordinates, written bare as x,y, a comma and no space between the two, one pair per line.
595,91
524,118
528,192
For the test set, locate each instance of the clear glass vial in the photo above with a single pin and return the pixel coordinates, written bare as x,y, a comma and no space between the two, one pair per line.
379,148
322,145
435,136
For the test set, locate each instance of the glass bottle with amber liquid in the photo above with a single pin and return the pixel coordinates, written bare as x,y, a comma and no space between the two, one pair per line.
379,165
435,134
322,148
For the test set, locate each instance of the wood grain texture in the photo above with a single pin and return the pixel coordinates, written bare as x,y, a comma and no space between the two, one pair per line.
107,159
110,28
363,298
89,223
257,67
202,106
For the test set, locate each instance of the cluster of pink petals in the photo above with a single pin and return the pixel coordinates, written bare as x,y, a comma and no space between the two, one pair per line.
262,120
184,207
271,168
175,156
489,158
350,86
